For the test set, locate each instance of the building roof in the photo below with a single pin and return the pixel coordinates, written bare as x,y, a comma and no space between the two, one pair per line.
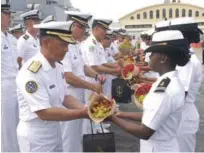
163,4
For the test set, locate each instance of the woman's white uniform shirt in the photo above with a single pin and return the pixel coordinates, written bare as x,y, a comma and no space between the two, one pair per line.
162,113
191,76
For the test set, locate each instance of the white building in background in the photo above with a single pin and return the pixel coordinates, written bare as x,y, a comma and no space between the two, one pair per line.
145,18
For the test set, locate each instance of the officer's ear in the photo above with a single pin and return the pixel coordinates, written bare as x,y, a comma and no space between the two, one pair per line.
44,41
164,59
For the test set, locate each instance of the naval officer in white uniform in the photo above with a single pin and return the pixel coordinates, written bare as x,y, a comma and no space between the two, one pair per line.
28,44
42,92
162,107
9,70
75,75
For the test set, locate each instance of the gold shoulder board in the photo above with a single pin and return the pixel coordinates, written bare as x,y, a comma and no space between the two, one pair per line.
35,66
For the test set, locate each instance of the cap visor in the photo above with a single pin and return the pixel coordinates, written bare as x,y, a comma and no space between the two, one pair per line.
8,11
68,39
162,49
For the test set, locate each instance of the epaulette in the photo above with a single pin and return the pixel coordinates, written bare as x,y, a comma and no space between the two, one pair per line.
163,85
60,62
26,37
94,41
35,66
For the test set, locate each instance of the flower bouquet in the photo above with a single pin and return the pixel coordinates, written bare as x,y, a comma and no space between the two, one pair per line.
100,107
140,93
128,71
126,48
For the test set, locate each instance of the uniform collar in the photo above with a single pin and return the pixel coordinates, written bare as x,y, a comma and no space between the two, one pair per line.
3,34
30,35
45,64
94,38
169,74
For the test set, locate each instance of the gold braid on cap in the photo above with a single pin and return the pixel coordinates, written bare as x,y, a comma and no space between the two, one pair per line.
106,26
59,34
66,37
80,21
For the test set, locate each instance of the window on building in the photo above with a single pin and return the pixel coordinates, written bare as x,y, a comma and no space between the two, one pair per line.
170,13
177,13
138,26
197,14
157,14
151,15
164,13
132,18
138,16
183,13
145,15
203,14
190,13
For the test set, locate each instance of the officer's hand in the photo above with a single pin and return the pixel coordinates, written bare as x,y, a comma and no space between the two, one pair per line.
120,62
117,71
84,112
98,88
101,79
141,75
134,87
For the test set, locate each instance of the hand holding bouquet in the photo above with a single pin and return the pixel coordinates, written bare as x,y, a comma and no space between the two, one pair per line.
100,107
129,71
129,60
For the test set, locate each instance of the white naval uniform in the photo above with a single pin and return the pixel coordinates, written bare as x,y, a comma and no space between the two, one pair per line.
114,48
162,113
34,134
9,103
143,45
109,78
27,46
93,54
191,76
72,130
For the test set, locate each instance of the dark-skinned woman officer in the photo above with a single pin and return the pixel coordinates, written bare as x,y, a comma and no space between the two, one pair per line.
163,104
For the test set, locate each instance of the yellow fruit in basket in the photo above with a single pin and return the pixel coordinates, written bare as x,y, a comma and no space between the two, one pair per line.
101,109
141,98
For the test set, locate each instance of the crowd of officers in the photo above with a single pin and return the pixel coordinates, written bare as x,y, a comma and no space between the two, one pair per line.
49,72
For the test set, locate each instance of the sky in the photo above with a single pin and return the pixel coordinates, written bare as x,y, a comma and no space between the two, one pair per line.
114,9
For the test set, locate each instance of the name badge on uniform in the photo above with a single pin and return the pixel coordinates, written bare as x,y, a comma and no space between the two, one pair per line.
75,57
80,52
5,47
52,86
62,75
